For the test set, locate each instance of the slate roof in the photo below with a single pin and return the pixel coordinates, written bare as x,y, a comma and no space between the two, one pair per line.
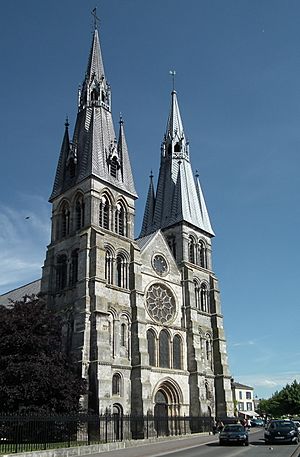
237,385
33,288
94,140
179,197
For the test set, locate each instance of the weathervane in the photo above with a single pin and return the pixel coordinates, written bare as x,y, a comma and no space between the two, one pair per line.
96,19
173,73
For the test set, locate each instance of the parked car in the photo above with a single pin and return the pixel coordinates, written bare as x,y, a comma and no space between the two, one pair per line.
297,423
257,423
281,431
233,434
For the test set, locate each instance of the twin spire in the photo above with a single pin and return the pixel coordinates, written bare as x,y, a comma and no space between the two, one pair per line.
179,196
94,149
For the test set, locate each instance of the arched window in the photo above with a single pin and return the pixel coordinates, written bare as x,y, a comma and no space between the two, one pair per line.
177,352
177,147
191,249
109,267
79,213
151,348
123,334
94,94
65,220
74,268
104,212
116,384
208,350
201,254
61,272
120,219
121,265
197,293
164,349
204,298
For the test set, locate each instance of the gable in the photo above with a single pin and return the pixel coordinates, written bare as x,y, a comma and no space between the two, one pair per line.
155,251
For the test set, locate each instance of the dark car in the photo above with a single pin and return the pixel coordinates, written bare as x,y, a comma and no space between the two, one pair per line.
233,434
257,423
281,431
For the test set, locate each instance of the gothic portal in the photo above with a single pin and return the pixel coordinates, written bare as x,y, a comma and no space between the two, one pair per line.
141,316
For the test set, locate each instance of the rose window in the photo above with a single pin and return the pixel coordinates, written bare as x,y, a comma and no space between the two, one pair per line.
160,303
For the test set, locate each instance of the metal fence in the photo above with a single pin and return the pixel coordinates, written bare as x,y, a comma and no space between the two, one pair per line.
27,433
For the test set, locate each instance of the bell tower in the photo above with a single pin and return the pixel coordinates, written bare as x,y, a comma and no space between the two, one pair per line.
178,209
86,271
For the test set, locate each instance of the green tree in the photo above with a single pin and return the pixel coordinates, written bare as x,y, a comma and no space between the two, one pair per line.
283,403
35,375
290,399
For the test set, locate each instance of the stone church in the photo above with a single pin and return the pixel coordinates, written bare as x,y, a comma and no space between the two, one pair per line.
142,317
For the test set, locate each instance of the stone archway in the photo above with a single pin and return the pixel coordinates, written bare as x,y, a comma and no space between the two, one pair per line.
167,403
161,413
118,421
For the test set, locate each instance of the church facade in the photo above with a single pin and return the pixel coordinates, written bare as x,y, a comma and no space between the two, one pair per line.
142,317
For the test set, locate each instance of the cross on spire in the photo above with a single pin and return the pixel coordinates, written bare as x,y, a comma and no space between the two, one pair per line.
96,18
173,74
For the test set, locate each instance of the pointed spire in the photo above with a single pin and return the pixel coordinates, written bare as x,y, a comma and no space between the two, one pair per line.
94,150
178,198
127,176
95,90
61,166
149,209
174,131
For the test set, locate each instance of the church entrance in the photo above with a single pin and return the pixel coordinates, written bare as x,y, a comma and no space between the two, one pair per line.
161,413
167,399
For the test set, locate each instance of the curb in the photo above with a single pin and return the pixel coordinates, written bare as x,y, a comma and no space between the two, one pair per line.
296,452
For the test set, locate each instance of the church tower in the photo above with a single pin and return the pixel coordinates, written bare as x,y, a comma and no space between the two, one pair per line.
142,318
179,210
86,271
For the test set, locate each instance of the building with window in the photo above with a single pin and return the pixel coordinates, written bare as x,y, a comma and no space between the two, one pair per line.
142,317
243,397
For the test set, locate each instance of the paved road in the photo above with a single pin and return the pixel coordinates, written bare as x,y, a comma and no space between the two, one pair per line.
206,446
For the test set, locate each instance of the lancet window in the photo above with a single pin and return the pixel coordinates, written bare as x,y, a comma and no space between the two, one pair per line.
204,298
116,384
197,293
151,348
164,349
123,335
109,267
79,213
122,271
208,350
65,220
104,212
61,271
191,248
201,258
177,352
120,219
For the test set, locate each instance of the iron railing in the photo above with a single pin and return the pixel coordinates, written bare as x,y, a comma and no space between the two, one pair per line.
21,433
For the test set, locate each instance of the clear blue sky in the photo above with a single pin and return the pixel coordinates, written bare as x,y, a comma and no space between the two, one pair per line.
238,84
